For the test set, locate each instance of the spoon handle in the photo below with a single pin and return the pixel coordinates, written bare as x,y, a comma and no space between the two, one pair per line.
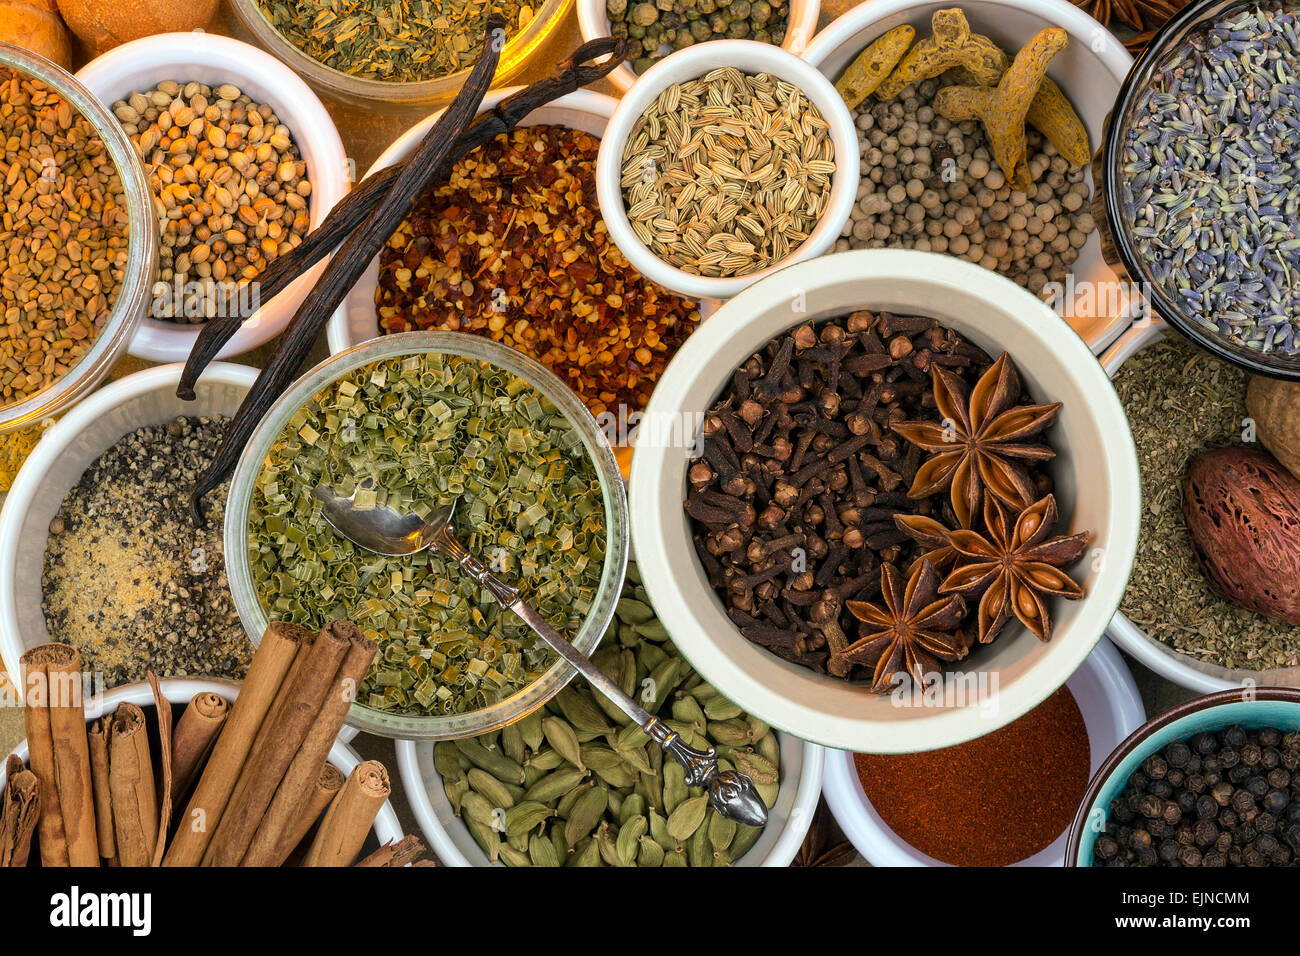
731,793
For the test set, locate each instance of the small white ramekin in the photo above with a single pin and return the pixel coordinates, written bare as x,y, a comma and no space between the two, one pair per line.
180,690
691,63
593,22
1164,660
1090,70
213,60
450,839
56,464
1095,473
1111,707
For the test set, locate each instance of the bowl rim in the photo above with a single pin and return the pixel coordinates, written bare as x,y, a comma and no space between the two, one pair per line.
51,446
1188,19
462,344
850,805
801,29
748,56
179,690
600,106
127,314
691,629
1135,740
308,121
1121,631
514,56
807,793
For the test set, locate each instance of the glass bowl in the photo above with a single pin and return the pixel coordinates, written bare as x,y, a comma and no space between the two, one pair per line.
1118,243
134,296
378,94
614,495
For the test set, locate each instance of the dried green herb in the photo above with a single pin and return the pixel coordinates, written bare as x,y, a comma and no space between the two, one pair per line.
1180,401
397,41
416,432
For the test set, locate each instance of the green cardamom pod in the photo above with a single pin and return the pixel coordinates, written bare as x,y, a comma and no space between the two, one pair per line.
581,711
496,792
755,766
757,728
565,806
704,691
721,830
650,853
493,761
555,785
587,812
455,790
659,829
546,759
512,857
608,765
652,631
532,775
719,708
660,684
688,816
633,806
474,806
627,673
768,792
687,710
732,733
675,858
512,743
744,841
530,728
560,735
615,802
770,747
630,737
522,817
674,785
447,760
634,612
698,851
587,853
607,840
650,656
637,758
487,838
541,852
628,842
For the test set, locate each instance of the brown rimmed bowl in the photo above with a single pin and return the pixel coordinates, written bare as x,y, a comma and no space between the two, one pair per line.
1251,707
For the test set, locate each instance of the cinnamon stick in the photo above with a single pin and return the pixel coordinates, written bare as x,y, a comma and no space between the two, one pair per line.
195,734
406,850
266,768
271,661
349,818
328,784
20,813
132,785
97,737
300,779
163,711
59,755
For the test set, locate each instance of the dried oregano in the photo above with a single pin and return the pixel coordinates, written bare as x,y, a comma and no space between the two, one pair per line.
415,432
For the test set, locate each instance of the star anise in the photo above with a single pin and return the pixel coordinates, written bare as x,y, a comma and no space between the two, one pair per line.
980,443
933,539
1015,566
1142,16
816,849
913,631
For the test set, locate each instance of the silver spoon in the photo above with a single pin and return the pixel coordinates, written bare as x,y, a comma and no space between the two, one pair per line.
388,532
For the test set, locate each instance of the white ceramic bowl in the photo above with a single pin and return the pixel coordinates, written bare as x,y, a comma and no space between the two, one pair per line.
179,691
1111,707
1185,671
691,63
593,21
1090,71
450,839
65,451
212,60
1095,473
355,321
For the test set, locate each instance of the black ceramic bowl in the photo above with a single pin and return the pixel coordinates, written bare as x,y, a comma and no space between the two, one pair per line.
1118,243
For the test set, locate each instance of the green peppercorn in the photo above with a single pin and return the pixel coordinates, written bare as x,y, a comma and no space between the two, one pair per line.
664,5
635,31
761,36
700,30
641,64
683,40
615,8
618,28
760,12
738,30
644,14
708,6
718,23
739,9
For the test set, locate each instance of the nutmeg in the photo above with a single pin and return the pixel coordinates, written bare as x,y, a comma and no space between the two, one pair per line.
1242,511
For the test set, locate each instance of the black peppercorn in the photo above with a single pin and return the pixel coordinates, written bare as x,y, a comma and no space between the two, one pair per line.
1177,754
1169,850
1205,743
1270,737
1234,736
1155,767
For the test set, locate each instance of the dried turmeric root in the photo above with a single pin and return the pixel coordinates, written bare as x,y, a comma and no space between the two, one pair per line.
978,61
1003,108
873,65
950,45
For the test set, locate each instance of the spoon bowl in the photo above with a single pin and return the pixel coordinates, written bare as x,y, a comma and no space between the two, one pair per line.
379,529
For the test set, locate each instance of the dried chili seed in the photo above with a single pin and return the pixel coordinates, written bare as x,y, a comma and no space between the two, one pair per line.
512,247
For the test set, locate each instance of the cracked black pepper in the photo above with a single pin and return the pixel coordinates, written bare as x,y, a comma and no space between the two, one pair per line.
127,580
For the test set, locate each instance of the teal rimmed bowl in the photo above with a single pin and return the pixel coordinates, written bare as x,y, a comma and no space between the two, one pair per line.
1251,707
